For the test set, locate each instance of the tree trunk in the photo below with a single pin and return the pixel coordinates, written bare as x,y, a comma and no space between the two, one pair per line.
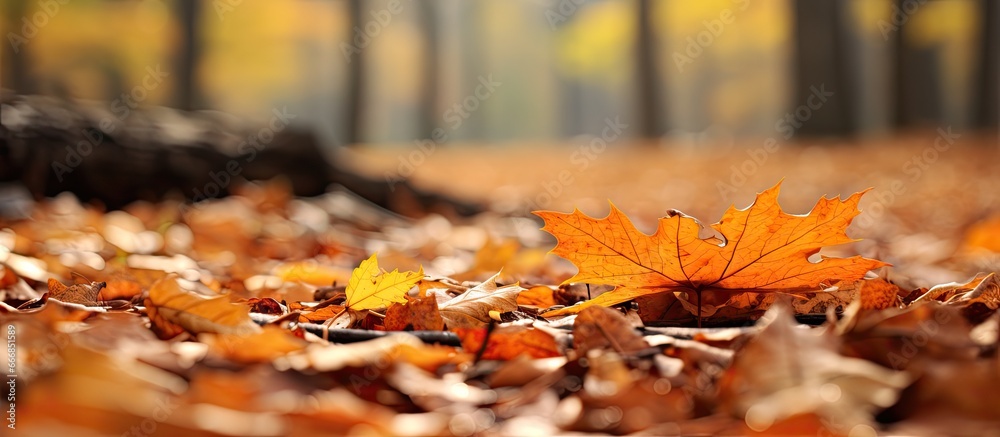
822,61
648,90
188,54
355,77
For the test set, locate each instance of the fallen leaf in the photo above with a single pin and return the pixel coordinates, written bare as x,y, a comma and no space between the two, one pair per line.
126,282
901,338
55,311
879,294
370,288
472,308
420,314
985,235
174,310
747,307
787,370
322,314
760,249
259,347
83,294
616,400
338,412
945,292
13,288
658,307
98,391
541,296
959,392
978,298
378,353
605,328
7,276
310,272
509,342
492,257
265,305
615,297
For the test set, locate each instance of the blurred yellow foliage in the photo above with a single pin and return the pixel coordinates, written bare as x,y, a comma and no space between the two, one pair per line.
598,41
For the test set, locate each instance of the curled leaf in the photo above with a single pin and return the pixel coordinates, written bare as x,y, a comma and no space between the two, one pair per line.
472,308
83,294
420,314
605,328
174,310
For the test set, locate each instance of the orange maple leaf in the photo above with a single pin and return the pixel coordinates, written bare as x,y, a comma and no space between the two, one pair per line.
762,249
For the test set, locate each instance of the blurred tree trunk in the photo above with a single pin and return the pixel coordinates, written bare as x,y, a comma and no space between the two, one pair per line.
355,76
987,88
918,78
429,24
189,50
898,73
16,59
648,90
822,62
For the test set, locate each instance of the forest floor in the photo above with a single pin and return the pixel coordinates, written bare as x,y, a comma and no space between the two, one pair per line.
264,314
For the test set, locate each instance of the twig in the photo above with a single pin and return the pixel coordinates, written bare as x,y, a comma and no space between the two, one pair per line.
358,335
486,341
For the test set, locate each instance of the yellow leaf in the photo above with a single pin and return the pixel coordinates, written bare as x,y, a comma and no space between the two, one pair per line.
369,288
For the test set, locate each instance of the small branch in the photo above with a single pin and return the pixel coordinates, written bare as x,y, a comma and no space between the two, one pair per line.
359,335
486,341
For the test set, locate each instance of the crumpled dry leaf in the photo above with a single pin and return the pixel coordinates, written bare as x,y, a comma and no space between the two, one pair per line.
948,291
605,328
904,337
126,282
265,305
322,314
472,308
420,314
616,399
979,298
788,370
83,294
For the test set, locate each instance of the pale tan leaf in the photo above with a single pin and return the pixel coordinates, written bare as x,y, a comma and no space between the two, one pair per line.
471,309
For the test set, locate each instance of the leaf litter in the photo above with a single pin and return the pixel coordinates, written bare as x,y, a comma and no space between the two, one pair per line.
256,321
